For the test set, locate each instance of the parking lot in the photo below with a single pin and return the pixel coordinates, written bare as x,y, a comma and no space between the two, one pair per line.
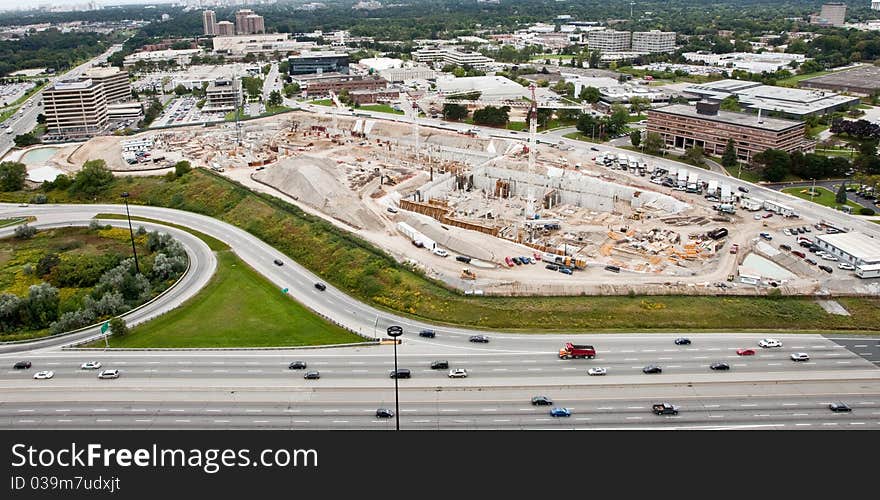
183,111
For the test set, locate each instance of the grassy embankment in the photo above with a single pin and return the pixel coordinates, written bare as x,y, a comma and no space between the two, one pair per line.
822,196
369,274
238,308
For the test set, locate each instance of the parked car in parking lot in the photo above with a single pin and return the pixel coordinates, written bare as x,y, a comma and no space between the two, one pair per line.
766,236
846,267
785,247
825,268
799,253
565,270
810,262
552,267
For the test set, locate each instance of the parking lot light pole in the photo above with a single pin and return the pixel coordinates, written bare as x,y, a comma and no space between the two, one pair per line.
131,232
394,332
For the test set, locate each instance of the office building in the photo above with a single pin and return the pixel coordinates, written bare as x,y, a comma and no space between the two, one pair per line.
75,108
323,86
653,42
858,249
117,88
864,80
248,23
318,62
682,126
451,55
257,43
224,28
781,101
609,40
209,23
748,61
875,4
222,96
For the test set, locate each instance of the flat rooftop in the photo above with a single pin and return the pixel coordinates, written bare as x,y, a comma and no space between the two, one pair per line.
729,117
867,77
770,98
859,245
100,72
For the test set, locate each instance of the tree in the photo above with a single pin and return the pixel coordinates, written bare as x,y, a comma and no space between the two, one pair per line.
588,125
41,118
654,143
595,58
616,122
182,168
275,99
454,112
639,104
635,138
41,305
92,179
841,194
491,115
729,159
118,327
695,154
12,175
180,89
775,164
590,94
25,140
290,89
731,103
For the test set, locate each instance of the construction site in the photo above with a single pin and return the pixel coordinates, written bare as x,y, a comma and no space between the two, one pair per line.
485,215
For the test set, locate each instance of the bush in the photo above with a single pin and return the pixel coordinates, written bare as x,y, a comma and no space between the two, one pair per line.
12,175
866,211
92,179
39,199
24,232
118,327
182,168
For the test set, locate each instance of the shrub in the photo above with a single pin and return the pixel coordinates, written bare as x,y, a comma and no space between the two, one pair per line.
866,211
118,327
39,199
24,232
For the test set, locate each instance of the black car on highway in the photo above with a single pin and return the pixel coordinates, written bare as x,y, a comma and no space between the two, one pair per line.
719,366
278,262
682,341
839,407
312,375
440,364
428,333
320,286
541,401
400,373
297,365
482,339
22,365
652,369
384,413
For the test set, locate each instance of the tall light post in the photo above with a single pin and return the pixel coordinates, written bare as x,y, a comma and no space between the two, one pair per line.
131,232
394,332
813,189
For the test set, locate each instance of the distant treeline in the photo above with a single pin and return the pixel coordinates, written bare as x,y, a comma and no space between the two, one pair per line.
50,49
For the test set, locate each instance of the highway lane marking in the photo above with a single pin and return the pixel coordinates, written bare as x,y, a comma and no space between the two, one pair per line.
100,409
26,421
800,414
301,421
716,416
789,404
291,410
856,423
867,403
761,415
331,411
569,368
259,371
176,411
583,418
420,421
143,420
221,421
365,371
674,366
829,423
712,406
774,364
249,410
62,409
357,362
748,405
865,353
138,409
335,421
501,420
448,410
843,362
631,359
64,420
802,425
499,369
861,345
461,421
535,369
182,421
104,420
635,407
23,411
220,371
605,408
213,411
266,421
490,409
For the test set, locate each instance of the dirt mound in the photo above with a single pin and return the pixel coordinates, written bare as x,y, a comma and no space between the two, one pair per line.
315,181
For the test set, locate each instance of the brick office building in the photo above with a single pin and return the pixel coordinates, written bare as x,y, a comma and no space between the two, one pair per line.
682,126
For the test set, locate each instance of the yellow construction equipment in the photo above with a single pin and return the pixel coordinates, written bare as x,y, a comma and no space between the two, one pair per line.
467,274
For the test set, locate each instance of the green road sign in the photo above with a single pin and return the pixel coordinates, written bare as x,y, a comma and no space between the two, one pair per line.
105,327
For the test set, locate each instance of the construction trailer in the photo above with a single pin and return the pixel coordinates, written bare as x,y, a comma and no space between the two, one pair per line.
868,271
726,194
779,208
682,177
751,204
693,182
416,236
712,189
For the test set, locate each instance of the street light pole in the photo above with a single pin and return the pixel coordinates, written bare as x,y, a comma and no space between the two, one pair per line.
131,232
394,332
813,189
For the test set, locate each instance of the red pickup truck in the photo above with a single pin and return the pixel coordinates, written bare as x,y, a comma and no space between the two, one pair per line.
574,351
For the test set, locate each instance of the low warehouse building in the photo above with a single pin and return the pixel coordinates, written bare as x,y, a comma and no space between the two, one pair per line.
856,248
